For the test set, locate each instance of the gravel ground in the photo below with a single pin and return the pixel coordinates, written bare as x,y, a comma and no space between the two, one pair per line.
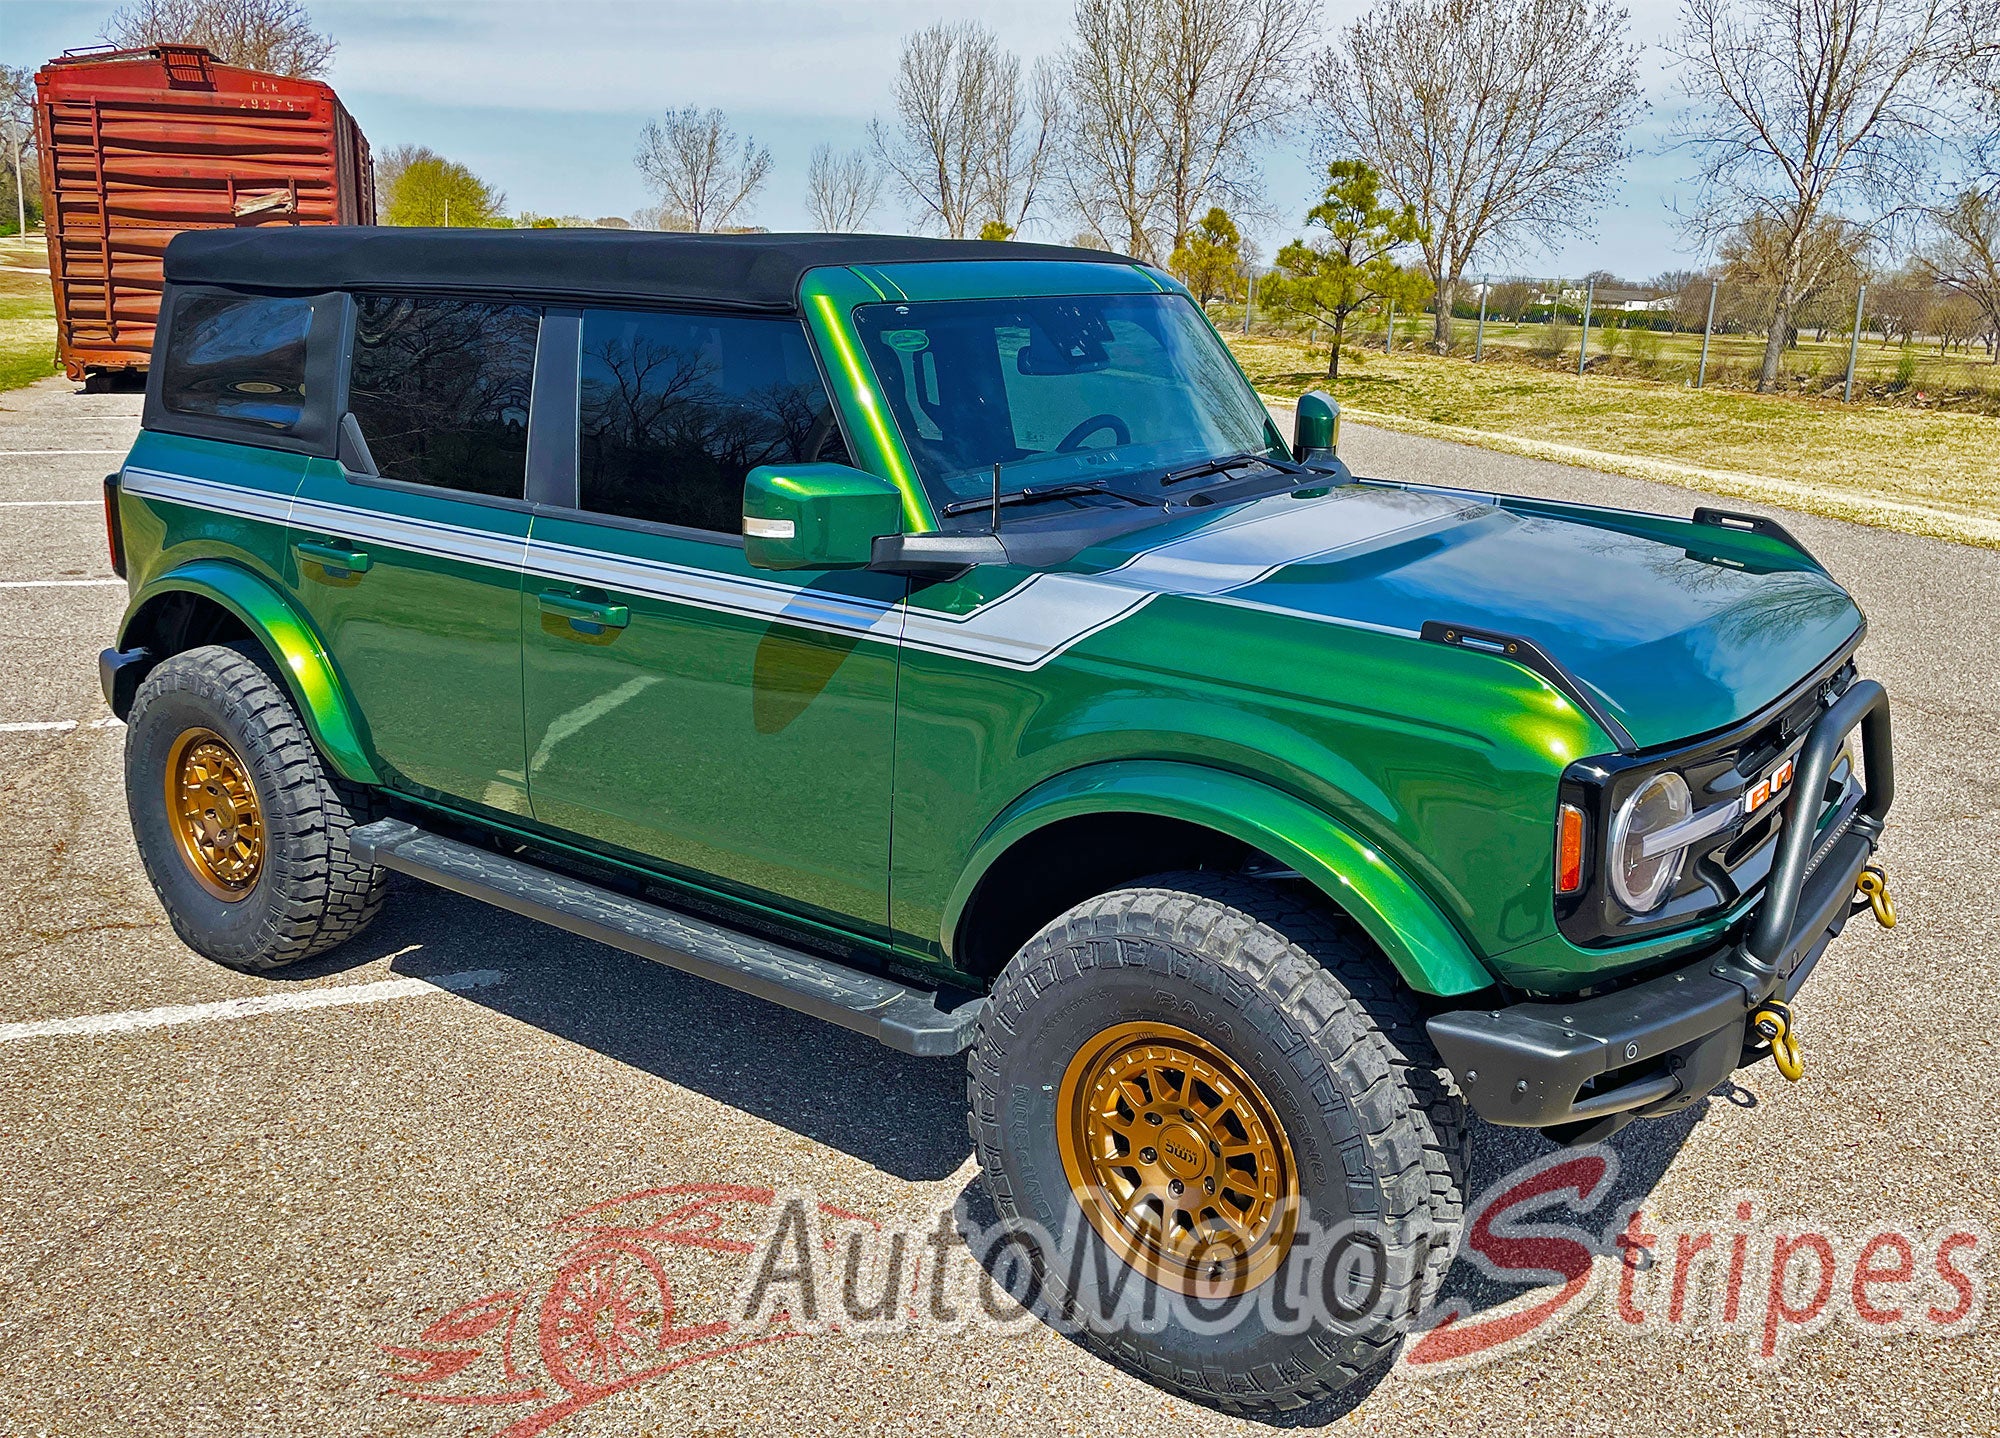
365,1217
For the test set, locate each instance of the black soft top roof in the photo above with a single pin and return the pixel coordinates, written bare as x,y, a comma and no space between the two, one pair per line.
737,271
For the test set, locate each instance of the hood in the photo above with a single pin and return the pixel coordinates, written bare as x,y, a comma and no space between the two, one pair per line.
1674,639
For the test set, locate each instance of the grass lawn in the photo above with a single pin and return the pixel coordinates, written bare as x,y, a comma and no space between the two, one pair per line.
1925,471
27,313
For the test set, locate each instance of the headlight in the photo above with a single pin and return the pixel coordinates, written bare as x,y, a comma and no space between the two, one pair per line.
1642,883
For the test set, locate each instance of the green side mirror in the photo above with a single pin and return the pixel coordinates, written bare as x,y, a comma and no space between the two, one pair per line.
1316,427
816,516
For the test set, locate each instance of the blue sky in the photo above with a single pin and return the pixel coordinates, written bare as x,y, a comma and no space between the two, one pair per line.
545,98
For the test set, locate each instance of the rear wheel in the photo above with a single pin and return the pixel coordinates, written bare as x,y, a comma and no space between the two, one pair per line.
242,828
1199,1085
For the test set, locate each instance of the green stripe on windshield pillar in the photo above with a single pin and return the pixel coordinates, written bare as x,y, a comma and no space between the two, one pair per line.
831,295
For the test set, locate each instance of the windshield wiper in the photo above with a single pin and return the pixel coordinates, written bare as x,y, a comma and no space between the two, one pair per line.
1227,462
1035,493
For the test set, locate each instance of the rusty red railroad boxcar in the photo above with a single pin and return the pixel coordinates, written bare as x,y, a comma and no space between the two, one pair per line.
138,145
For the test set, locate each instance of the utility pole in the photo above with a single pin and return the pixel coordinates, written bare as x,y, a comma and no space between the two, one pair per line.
1708,328
1583,340
1479,335
1389,335
1250,301
1854,345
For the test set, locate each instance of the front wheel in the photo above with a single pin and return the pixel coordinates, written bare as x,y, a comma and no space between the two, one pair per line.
1219,1117
242,829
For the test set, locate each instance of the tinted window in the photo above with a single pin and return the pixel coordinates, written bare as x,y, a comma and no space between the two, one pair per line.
238,357
1059,388
676,409
440,388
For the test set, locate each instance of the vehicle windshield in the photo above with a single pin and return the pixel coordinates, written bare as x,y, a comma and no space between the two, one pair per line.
1059,389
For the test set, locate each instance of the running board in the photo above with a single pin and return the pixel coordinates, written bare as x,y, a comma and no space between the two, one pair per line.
895,1014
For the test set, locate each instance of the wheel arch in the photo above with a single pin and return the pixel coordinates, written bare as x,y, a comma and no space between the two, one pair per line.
197,602
1354,876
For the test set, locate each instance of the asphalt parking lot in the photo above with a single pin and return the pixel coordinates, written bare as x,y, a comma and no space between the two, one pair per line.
348,1208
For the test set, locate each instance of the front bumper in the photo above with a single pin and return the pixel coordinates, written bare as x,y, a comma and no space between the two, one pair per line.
1586,1067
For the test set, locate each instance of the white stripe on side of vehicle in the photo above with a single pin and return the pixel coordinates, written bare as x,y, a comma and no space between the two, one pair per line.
1023,628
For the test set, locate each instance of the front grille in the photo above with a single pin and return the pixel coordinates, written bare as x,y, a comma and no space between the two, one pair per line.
1732,864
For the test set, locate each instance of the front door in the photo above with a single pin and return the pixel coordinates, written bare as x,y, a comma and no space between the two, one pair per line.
733,725
413,572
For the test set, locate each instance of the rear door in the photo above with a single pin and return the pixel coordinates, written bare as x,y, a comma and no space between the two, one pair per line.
733,725
410,561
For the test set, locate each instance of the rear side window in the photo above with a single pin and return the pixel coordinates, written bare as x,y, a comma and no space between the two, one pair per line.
238,357
440,388
677,408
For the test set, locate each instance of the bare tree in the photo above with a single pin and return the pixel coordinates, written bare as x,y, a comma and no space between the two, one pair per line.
970,143
1804,108
1754,256
1023,125
702,171
1166,101
841,190
17,132
273,35
1964,256
1503,124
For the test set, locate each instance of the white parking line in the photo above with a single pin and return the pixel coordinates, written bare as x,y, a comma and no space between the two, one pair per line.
50,726
131,1020
59,583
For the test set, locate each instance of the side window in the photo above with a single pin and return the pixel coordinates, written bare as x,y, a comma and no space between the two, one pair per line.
676,409
238,357
440,388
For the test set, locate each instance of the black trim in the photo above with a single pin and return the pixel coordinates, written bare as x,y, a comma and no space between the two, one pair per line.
114,525
118,673
1738,521
909,1019
739,272
316,433
1531,656
552,409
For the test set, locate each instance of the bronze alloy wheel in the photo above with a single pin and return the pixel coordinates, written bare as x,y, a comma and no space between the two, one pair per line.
1177,1159
212,808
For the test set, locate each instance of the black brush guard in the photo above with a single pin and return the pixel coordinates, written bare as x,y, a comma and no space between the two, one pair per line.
1584,1068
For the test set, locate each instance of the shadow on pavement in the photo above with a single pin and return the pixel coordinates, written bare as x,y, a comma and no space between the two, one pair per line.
905,1116
902,1115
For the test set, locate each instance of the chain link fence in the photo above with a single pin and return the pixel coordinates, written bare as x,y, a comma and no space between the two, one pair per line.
1914,344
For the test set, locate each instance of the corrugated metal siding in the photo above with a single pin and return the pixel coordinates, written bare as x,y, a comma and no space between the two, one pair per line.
137,148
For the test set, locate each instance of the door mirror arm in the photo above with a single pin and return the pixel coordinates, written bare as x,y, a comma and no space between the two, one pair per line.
935,556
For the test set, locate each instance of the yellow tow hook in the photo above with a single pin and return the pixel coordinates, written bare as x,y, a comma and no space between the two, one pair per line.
1873,885
1774,1021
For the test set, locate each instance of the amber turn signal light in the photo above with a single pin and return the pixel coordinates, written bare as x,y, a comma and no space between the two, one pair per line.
1569,849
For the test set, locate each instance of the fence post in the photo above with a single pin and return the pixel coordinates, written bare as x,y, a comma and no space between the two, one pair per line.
1583,340
1250,301
1479,336
1854,345
1389,336
1701,374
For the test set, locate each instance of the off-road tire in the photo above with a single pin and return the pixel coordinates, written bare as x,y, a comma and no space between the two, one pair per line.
1289,992
311,894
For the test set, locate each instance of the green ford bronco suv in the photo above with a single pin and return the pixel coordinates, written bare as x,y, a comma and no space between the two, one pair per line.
939,639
